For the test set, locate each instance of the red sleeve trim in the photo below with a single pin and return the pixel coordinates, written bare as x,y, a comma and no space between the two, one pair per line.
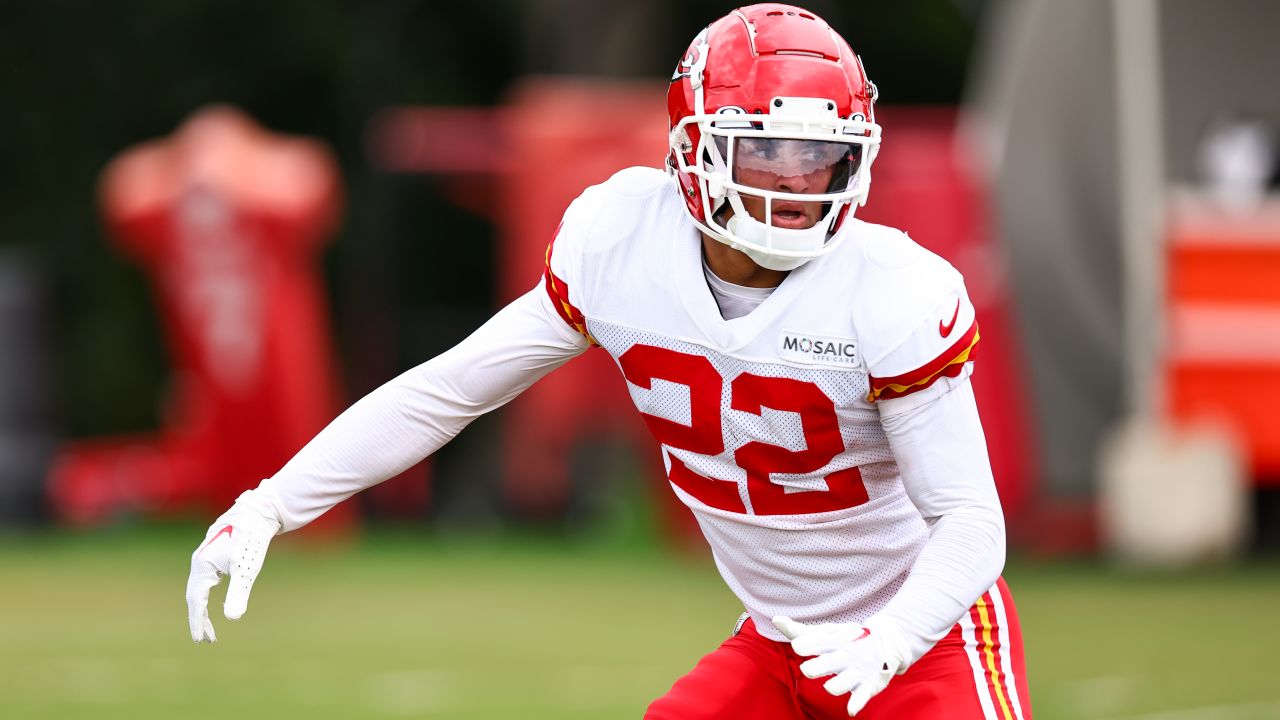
948,364
558,291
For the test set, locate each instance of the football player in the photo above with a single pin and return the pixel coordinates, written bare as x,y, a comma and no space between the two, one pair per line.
806,375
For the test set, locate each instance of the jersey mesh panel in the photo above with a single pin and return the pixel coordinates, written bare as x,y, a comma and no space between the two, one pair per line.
836,566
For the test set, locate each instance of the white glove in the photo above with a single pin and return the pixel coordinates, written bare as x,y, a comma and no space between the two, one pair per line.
863,658
235,545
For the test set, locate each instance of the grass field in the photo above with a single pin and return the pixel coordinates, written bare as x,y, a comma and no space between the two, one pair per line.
95,627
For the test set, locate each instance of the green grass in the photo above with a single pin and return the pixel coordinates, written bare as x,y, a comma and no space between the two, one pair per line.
95,627
1107,643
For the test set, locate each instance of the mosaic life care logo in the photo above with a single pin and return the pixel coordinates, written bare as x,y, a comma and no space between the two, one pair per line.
819,349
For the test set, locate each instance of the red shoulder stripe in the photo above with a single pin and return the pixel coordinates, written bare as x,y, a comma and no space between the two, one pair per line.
558,290
947,364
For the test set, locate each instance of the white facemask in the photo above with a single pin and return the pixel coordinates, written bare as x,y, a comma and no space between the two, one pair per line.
760,235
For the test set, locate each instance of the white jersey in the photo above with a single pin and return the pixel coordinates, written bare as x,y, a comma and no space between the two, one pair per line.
769,423
827,441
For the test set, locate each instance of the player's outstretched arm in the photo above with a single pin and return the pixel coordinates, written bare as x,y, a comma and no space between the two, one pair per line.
396,426
383,434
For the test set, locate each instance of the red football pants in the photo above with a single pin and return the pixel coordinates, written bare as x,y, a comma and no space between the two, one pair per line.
974,673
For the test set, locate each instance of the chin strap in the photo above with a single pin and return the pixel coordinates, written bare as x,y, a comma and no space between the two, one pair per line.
744,230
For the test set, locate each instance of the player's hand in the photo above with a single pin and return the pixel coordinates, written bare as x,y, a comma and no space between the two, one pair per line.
235,545
862,658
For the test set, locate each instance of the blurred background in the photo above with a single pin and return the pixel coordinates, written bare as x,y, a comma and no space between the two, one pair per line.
221,223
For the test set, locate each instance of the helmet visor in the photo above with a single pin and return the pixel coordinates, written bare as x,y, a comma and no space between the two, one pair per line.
816,166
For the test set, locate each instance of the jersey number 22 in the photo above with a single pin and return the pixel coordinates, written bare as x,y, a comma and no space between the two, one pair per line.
642,364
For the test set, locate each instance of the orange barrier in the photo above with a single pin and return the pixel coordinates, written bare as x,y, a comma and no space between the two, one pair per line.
1222,358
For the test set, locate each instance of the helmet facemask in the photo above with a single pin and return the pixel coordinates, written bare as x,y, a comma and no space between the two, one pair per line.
777,187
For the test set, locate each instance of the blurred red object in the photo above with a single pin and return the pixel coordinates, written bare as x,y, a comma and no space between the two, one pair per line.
228,220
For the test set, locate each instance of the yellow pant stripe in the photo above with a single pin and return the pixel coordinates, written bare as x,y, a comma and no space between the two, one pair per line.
993,670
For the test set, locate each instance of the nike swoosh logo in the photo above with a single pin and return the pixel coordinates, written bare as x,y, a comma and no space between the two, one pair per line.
228,529
946,327
866,633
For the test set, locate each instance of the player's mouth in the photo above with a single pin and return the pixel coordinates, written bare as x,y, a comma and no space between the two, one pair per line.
792,216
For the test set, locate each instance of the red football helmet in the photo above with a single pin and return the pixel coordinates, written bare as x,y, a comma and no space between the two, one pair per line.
771,109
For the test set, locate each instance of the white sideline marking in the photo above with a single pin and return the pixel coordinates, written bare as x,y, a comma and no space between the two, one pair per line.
1264,709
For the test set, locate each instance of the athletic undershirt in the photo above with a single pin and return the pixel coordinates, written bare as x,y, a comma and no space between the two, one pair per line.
734,300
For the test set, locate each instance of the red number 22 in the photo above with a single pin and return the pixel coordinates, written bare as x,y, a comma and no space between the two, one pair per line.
751,394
